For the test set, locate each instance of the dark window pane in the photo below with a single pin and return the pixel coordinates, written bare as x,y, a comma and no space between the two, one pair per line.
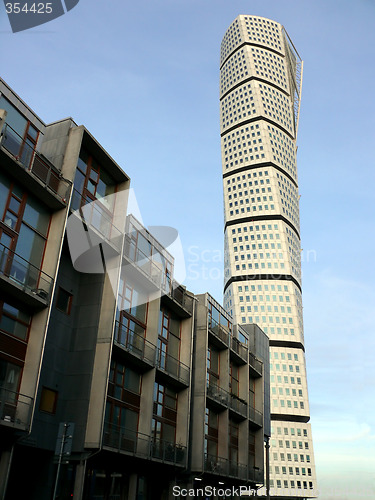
36,215
64,301
14,117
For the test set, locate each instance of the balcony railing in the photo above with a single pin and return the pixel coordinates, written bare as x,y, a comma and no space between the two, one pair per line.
24,274
142,445
255,364
255,416
134,343
98,219
179,295
218,331
15,409
172,366
168,452
256,474
152,269
33,162
238,405
239,348
224,467
219,395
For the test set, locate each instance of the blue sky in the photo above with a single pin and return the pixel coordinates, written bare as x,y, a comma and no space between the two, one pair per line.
144,79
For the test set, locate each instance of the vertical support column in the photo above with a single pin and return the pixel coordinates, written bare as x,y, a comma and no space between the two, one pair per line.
79,480
268,468
5,464
133,487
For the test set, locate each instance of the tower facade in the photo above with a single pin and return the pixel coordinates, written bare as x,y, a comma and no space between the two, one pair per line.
260,88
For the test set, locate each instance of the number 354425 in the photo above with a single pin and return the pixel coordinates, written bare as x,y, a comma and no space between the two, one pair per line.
33,8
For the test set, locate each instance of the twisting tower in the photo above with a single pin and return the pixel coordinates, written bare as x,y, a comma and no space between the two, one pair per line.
260,89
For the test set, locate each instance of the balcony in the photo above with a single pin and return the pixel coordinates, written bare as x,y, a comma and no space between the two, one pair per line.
147,268
171,368
138,350
126,441
143,446
177,299
23,280
256,366
219,335
238,351
168,452
224,467
238,406
255,416
220,399
256,475
15,410
37,172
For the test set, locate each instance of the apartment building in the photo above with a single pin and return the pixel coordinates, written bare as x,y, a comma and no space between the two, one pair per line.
111,373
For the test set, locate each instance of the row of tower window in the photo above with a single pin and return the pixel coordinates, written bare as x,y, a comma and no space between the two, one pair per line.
257,30
292,484
250,99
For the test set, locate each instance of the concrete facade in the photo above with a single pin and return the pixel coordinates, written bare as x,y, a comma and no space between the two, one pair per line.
260,88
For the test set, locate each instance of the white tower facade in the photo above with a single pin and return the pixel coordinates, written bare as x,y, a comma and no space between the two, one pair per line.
260,88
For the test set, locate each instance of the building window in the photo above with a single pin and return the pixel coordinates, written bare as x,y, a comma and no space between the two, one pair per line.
164,416
211,434
92,183
169,332
64,301
123,402
233,444
131,317
24,224
48,400
14,321
10,376
21,136
213,366
234,381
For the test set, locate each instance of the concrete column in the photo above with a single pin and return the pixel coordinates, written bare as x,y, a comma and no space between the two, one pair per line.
133,487
79,481
5,464
268,468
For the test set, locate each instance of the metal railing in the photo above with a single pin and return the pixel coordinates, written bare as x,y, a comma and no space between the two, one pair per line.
129,441
33,162
224,467
15,409
134,343
255,364
218,394
178,293
97,219
152,269
172,366
239,348
168,452
218,331
256,474
238,405
142,445
256,416
25,274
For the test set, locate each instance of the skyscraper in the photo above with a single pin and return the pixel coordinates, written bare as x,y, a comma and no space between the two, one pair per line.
260,89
